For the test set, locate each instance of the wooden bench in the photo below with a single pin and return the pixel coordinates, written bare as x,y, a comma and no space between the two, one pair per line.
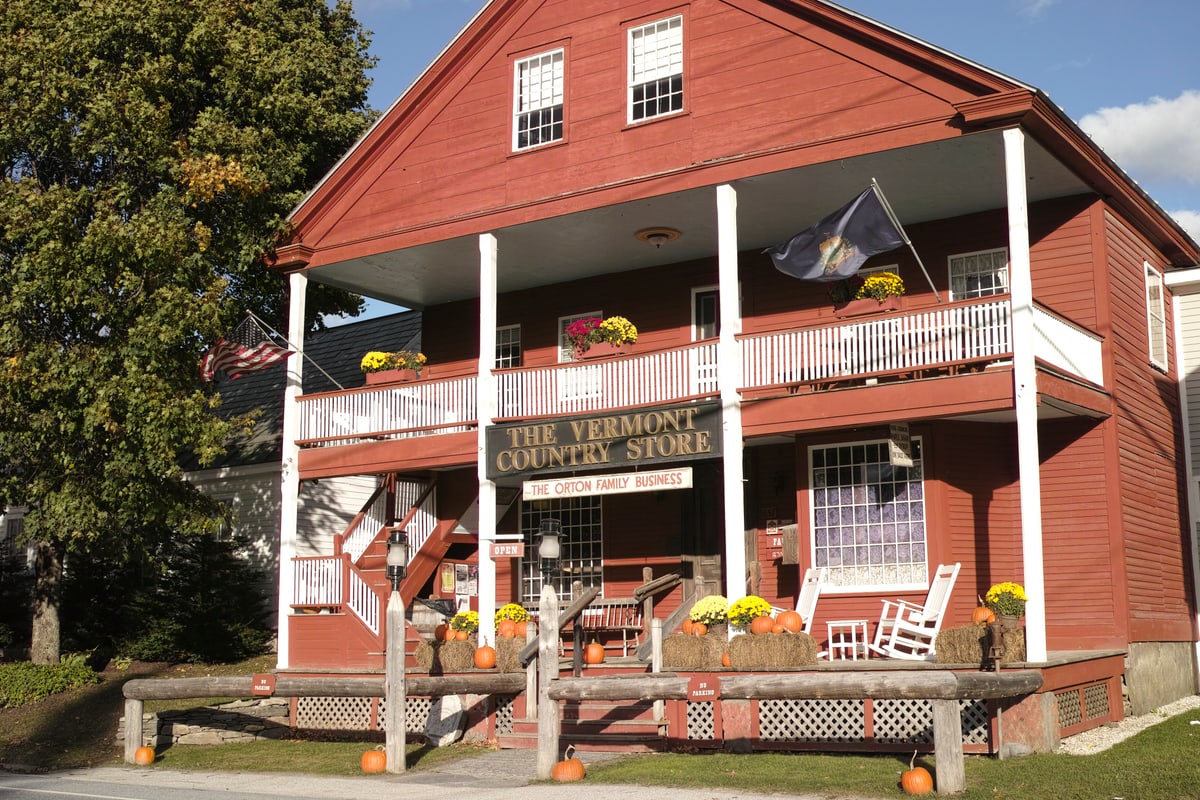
612,615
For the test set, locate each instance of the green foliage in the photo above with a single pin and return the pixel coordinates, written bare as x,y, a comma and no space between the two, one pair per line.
150,151
22,682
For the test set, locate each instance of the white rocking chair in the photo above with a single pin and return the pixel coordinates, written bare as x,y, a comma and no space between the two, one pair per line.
907,630
810,592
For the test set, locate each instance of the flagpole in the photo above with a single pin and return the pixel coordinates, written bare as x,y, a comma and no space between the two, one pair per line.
892,216
259,321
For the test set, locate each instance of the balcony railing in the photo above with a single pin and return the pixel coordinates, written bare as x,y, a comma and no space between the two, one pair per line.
934,339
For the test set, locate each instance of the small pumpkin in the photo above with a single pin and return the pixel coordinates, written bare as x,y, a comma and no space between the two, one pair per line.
983,616
485,656
461,636
507,629
777,628
916,780
593,653
373,761
688,626
569,769
439,633
725,660
699,629
790,620
143,756
763,624
449,635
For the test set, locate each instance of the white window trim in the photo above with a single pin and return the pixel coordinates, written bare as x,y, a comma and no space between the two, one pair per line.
633,80
504,329
559,84
1156,318
950,270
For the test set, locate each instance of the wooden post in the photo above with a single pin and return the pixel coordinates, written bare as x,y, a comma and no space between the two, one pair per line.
395,720
647,604
656,665
531,676
133,727
948,748
548,723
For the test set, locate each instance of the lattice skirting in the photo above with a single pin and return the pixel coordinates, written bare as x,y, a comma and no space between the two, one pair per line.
1081,704
369,713
892,722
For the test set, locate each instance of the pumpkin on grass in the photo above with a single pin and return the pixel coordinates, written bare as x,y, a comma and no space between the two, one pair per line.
373,761
143,756
570,768
916,780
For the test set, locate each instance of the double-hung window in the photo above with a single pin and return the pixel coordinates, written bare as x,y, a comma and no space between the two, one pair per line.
656,69
979,274
1156,317
538,100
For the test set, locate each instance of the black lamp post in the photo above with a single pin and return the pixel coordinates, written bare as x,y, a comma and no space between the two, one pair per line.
397,733
549,547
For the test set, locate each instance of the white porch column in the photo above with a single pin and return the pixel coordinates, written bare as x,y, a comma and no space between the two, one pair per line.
290,473
486,403
729,371
1025,379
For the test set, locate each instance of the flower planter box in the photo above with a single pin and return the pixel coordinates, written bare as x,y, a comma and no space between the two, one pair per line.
867,305
602,350
392,376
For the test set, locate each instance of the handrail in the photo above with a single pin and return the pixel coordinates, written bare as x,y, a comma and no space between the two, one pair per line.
568,616
657,585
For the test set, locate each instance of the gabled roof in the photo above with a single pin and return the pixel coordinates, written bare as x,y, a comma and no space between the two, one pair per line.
337,351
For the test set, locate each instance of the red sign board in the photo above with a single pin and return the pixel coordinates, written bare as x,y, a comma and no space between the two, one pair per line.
262,685
703,688
508,549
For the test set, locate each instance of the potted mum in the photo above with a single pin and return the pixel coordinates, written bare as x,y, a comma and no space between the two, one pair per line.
402,365
1007,601
713,612
592,337
745,611
879,291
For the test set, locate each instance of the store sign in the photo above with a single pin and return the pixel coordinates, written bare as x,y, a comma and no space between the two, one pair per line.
508,549
642,438
627,483
899,445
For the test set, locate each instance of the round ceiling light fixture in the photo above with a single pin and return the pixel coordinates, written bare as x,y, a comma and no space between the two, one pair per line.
657,236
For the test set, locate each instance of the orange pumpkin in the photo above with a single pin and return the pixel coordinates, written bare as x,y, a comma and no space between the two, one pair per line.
777,628
983,616
916,780
143,756
374,761
485,657
762,624
699,629
461,636
593,653
439,633
725,662
687,626
449,634
507,629
790,620
569,769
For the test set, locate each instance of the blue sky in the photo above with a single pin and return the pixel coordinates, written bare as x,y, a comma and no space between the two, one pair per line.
1128,72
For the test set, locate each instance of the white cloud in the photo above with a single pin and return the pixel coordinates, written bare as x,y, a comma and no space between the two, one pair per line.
1155,141
1189,221
1032,8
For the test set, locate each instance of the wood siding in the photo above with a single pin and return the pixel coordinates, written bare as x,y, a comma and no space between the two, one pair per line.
1150,456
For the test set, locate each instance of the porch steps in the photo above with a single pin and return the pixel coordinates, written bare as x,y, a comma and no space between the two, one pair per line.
599,725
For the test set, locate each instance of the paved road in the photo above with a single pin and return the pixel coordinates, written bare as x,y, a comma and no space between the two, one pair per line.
497,775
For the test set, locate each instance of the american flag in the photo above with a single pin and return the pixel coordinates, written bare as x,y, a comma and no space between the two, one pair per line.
247,349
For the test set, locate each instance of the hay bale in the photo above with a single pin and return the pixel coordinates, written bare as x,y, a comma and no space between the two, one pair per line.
438,658
768,651
686,652
508,651
971,644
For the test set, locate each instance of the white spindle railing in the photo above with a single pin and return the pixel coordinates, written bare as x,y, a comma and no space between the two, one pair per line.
865,346
373,520
393,411
423,522
363,601
1067,346
317,581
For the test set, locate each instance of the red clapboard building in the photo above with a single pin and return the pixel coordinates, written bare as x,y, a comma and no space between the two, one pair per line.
1014,412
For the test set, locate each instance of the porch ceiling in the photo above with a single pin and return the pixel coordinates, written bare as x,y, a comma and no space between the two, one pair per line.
922,183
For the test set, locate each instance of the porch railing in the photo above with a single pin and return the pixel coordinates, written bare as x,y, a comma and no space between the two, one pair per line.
942,337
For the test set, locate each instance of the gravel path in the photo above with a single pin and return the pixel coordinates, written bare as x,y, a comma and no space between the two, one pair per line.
1104,737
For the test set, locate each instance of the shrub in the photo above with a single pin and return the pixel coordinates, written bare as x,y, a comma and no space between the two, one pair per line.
23,682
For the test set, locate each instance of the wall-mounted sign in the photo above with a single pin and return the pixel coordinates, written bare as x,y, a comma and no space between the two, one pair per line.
508,550
643,438
625,483
702,688
899,445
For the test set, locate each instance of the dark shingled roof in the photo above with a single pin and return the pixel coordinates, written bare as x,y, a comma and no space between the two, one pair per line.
337,351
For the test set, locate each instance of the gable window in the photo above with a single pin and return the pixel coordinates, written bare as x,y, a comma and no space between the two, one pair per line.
979,274
538,100
581,559
656,69
1156,317
868,517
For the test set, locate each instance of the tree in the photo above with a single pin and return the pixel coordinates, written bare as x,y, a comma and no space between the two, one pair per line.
151,151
